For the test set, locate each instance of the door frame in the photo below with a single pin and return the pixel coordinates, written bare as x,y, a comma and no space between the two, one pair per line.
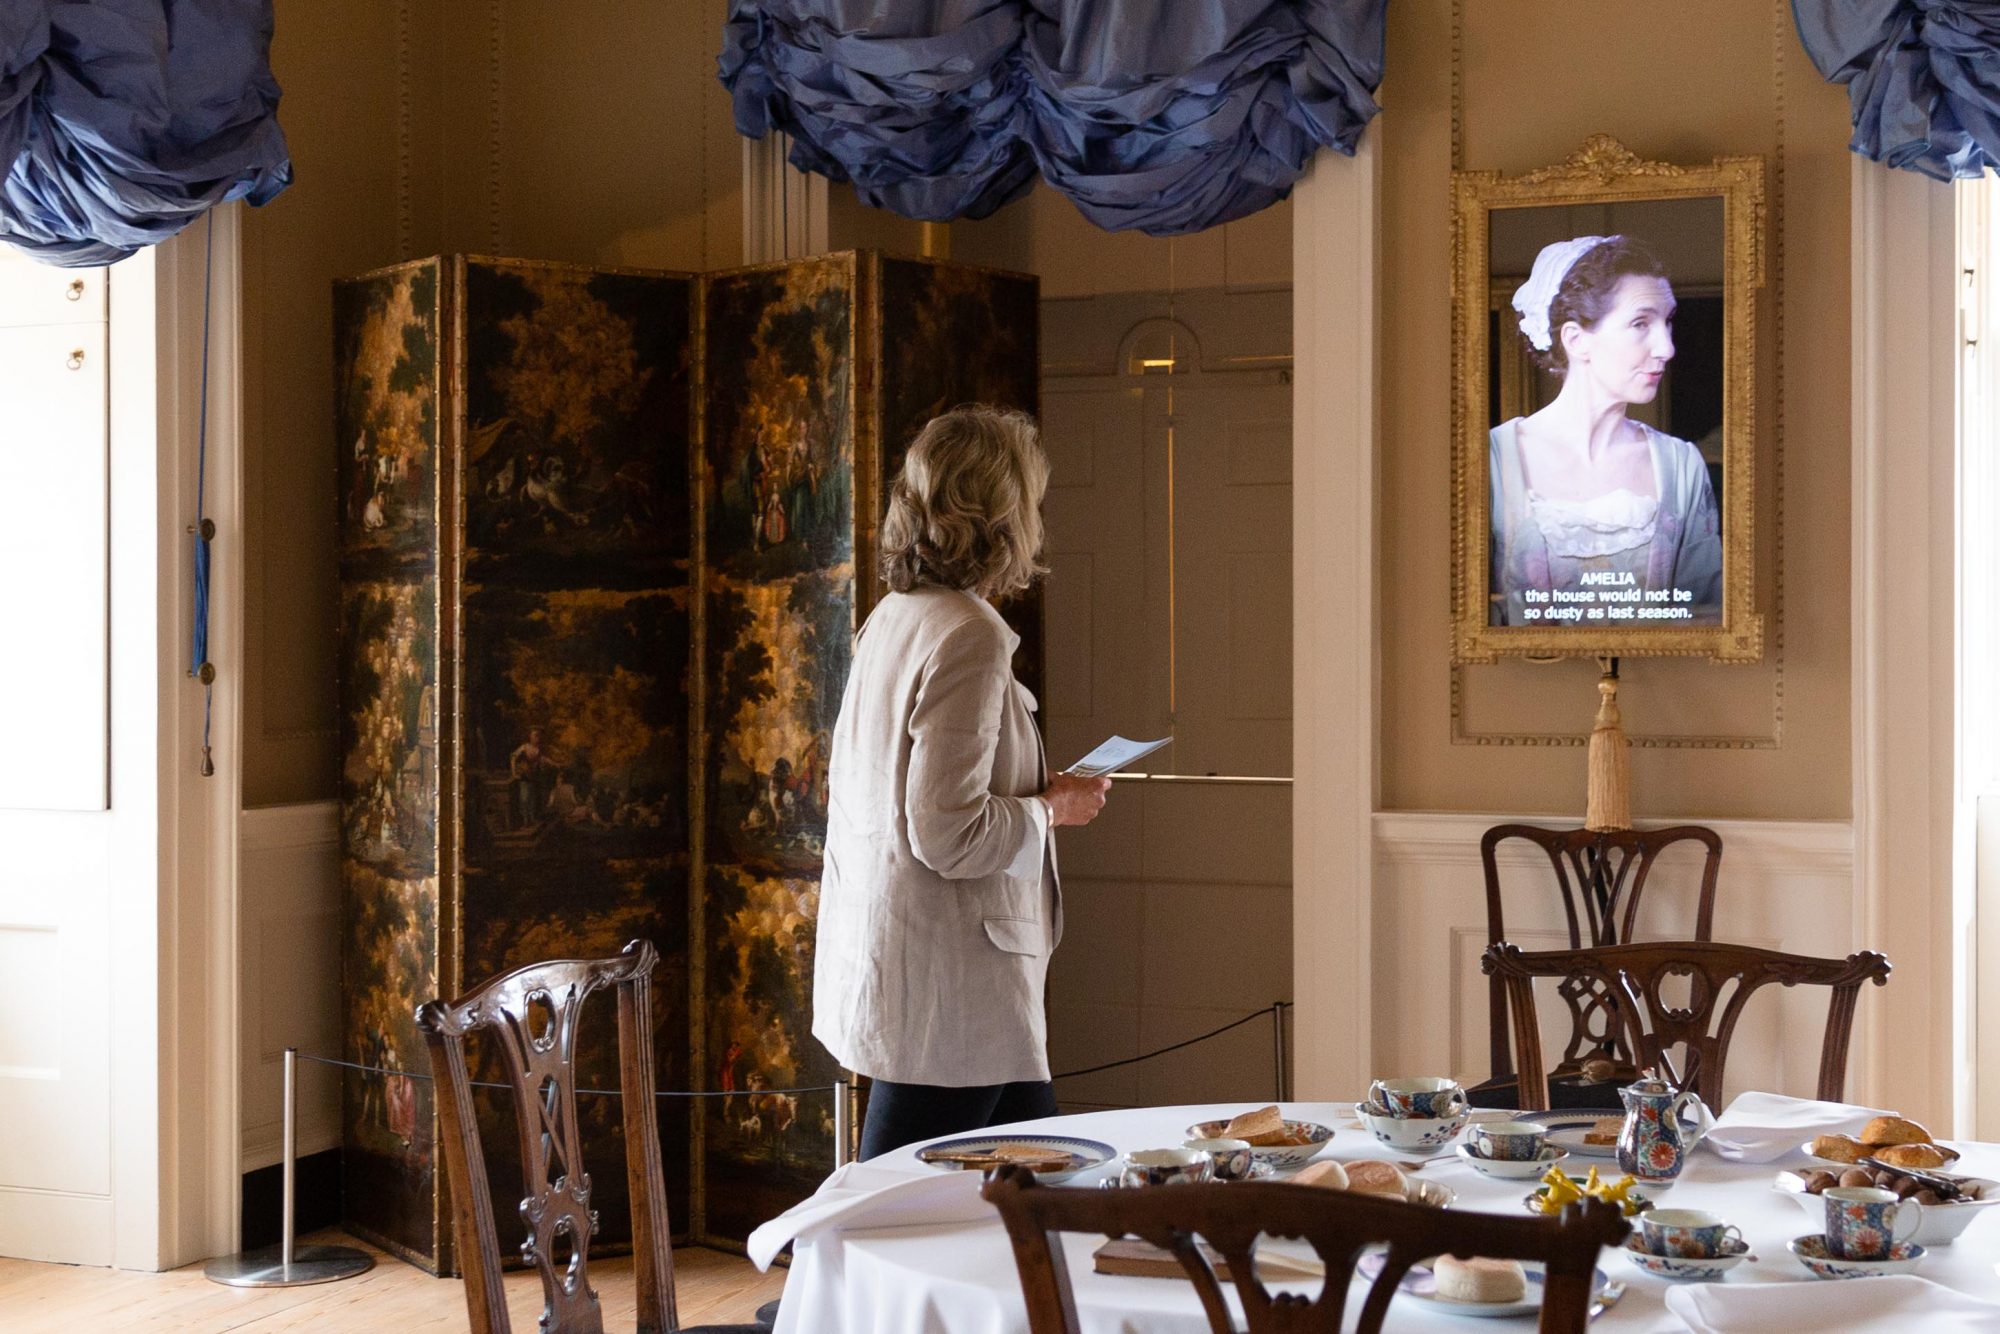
175,1165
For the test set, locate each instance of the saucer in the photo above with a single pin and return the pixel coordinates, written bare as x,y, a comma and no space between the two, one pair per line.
1683,1267
1812,1253
1511,1169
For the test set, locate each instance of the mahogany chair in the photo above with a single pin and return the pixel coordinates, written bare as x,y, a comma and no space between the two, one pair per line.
1600,879
1228,1219
531,1014
1720,978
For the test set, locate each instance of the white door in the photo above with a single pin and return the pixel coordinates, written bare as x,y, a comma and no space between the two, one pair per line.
55,1041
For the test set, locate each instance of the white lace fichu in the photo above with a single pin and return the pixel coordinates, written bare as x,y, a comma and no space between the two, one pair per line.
1605,525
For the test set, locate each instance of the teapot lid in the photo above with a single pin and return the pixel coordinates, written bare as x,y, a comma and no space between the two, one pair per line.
1649,1086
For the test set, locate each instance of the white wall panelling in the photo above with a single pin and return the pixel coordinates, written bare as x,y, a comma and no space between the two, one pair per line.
1430,929
1912,848
290,967
1336,659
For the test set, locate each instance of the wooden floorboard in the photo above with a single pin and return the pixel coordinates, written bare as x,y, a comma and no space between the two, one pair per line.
713,1288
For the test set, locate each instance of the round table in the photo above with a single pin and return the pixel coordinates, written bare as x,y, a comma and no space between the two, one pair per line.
961,1279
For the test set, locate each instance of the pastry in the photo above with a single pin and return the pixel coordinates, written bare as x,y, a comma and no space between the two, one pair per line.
1604,1130
1479,1279
1894,1130
1263,1128
1920,1156
1372,1176
1328,1175
1839,1149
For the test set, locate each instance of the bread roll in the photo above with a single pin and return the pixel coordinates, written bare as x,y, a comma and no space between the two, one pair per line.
1328,1174
1372,1176
1894,1130
1839,1149
1914,1155
1479,1279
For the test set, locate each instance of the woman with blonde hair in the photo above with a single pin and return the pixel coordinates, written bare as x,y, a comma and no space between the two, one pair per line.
939,905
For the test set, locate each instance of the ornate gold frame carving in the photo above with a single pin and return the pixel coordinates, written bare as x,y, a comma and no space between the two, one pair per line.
1604,171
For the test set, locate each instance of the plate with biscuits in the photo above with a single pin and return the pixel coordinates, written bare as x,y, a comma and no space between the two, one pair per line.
1477,1286
1052,1158
1892,1140
1273,1139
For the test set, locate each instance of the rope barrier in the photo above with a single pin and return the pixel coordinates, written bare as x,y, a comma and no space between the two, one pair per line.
1213,1033
1276,1007
600,1093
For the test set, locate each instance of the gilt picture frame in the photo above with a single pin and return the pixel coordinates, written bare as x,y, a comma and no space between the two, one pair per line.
1604,371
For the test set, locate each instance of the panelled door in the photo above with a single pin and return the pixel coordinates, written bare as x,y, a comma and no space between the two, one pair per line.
55,1113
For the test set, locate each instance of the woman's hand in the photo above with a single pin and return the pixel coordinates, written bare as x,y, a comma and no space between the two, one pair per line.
1074,800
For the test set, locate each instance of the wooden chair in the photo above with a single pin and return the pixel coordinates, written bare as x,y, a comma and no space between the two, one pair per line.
1228,1218
1601,879
1720,979
532,1014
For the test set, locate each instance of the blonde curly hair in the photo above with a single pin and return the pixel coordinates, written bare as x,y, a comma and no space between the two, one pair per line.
966,510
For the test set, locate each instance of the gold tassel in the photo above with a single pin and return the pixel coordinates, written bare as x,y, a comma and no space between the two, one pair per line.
1608,804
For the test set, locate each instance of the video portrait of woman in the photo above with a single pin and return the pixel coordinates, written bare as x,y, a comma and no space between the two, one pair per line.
1601,512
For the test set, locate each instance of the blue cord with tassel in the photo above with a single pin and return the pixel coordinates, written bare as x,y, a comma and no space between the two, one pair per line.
204,528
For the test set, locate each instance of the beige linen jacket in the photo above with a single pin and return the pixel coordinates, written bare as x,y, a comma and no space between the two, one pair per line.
939,905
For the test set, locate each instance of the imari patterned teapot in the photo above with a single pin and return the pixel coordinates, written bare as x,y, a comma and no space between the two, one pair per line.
1656,1140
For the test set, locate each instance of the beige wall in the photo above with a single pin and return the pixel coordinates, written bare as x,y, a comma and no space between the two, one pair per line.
1043,234
1724,77
415,128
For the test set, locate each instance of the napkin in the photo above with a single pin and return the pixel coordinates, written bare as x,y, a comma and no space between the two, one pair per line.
1763,1127
1889,1304
865,1195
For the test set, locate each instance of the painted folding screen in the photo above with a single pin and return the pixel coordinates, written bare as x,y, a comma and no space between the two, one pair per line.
514,711
817,374
531,768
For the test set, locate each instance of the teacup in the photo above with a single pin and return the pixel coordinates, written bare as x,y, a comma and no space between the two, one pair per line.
1165,1167
1424,1098
1691,1234
1865,1223
1229,1159
1509,1141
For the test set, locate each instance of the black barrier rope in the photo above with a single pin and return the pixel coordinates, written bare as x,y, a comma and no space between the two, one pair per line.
1270,1009
601,1093
1213,1033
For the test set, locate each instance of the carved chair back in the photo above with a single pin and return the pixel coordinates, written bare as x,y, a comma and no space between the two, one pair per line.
1227,1219
1719,978
1600,878
531,1015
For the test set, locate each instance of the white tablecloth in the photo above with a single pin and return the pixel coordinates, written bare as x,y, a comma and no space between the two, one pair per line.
960,1278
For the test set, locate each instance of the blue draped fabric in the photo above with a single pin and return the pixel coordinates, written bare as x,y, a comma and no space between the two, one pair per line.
1922,76
1166,119
121,121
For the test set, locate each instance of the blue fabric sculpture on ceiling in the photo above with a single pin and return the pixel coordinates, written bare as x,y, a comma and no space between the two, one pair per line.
1922,76
121,121
1167,119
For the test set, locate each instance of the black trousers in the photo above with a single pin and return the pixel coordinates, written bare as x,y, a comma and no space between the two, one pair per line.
900,1114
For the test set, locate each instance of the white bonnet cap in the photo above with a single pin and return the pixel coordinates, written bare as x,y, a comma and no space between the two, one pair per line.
1533,297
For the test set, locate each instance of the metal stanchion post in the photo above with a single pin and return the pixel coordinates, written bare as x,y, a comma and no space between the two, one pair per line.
841,1111
287,1265
1278,1046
